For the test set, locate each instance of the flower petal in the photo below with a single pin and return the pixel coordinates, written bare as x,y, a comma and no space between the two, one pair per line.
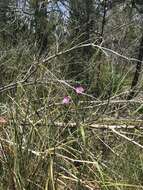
79,90
66,100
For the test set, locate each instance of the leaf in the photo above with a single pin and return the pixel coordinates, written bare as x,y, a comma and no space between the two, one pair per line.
82,131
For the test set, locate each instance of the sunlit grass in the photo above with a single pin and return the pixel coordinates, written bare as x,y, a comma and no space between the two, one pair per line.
40,149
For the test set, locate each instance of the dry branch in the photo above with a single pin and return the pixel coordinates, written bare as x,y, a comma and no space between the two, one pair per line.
100,126
34,66
113,128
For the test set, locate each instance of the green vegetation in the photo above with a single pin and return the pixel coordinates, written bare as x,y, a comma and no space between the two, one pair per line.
71,95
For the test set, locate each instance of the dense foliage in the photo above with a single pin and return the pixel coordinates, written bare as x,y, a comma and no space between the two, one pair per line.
71,94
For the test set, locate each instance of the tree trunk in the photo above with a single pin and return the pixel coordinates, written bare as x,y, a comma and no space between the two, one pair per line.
137,72
40,14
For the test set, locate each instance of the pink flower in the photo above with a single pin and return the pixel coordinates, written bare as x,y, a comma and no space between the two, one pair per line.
3,120
66,100
79,90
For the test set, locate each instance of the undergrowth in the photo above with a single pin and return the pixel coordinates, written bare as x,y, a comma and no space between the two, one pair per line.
39,146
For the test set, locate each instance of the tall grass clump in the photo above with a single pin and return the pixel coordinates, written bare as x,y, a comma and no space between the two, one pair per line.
47,141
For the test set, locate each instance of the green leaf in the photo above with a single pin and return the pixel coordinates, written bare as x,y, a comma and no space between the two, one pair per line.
82,131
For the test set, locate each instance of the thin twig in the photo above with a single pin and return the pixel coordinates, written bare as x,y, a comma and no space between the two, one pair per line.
33,68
